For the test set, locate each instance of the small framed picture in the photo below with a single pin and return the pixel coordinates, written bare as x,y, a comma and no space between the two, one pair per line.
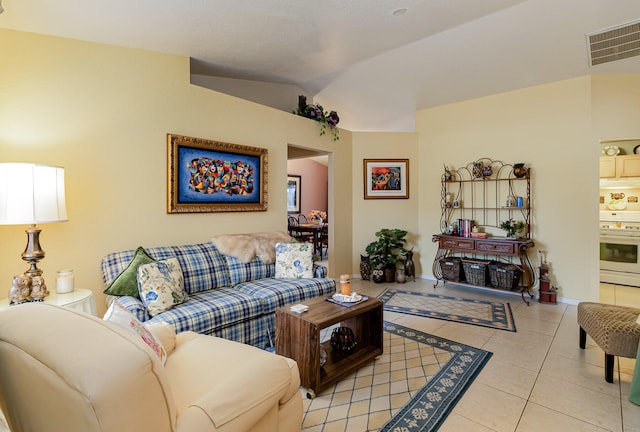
386,178
294,193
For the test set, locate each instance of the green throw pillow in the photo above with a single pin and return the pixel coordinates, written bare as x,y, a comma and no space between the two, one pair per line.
126,283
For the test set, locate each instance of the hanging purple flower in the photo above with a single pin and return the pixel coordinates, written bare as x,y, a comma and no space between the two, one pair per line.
316,112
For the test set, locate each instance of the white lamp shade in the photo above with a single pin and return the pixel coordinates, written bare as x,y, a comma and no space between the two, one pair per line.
31,194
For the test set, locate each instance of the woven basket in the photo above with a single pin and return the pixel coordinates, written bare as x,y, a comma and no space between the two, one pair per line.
504,276
475,271
451,268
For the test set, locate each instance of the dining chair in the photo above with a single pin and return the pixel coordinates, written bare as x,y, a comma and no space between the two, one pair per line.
324,241
302,218
295,232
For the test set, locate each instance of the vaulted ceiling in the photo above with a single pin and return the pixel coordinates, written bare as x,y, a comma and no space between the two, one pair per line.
374,61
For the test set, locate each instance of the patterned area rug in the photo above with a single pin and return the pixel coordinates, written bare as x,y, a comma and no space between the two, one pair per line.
468,311
413,386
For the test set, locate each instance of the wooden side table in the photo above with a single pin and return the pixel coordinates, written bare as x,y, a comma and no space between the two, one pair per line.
79,299
298,337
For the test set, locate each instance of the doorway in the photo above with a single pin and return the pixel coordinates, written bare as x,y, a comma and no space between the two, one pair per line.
313,168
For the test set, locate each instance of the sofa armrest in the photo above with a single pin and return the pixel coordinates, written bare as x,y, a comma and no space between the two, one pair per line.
263,389
132,304
234,384
319,271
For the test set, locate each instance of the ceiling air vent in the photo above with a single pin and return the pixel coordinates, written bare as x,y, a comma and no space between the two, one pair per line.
614,43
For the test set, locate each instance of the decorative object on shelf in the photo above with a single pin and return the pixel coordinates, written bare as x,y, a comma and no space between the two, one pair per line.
318,216
510,201
611,150
447,200
519,170
316,112
409,266
212,176
512,227
456,203
378,275
477,169
519,202
343,339
448,175
32,194
481,170
386,178
388,250
365,267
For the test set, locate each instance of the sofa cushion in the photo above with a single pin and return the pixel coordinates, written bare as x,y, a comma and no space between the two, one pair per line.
120,316
203,267
207,312
125,283
294,260
161,285
274,293
243,272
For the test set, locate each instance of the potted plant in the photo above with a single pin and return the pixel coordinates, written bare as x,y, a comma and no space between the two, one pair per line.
385,252
512,227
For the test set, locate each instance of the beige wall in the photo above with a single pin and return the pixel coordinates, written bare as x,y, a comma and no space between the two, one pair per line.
371,215
103,113
616,107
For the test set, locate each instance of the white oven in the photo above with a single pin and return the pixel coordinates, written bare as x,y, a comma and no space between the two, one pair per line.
620,247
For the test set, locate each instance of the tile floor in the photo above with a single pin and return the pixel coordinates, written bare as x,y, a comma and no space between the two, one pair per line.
538,378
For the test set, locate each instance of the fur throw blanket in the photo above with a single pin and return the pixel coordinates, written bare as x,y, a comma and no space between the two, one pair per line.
246,247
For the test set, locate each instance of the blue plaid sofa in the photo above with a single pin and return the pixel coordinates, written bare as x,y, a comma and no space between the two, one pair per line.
227,298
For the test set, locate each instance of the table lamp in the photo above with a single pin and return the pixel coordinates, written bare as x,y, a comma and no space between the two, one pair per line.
32,194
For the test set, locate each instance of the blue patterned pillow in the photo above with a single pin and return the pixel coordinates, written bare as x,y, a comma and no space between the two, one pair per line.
161,285
294,260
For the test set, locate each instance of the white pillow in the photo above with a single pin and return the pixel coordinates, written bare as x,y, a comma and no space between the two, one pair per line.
161,285
294,260
165,333
120,316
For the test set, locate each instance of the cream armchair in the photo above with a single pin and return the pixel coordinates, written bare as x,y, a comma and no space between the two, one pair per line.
62,370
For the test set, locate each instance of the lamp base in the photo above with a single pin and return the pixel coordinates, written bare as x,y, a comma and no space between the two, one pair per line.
32,254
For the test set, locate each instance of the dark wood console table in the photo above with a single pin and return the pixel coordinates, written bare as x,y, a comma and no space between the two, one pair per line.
512,250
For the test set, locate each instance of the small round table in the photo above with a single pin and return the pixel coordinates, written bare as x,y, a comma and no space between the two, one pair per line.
80,299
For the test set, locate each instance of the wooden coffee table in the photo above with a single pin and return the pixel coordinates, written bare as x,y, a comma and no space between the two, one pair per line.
298,337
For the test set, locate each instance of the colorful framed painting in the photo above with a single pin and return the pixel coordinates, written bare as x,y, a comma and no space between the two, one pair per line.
294,193
212,176
386,178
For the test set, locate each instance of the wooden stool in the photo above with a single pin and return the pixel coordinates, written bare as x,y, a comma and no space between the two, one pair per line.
613,328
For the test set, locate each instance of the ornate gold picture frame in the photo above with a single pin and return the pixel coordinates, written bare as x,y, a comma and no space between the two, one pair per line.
212,176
